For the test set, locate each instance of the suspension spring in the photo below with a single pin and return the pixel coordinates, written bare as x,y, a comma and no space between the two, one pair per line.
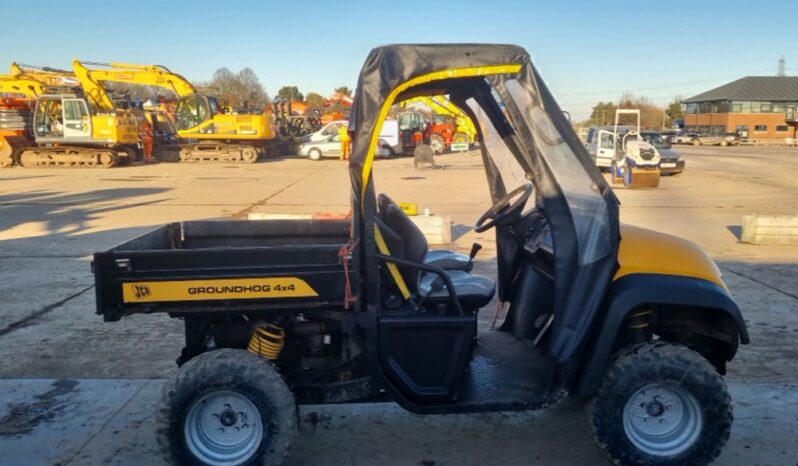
267,340
637,323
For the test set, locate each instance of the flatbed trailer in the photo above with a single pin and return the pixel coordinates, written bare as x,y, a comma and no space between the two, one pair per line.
218,267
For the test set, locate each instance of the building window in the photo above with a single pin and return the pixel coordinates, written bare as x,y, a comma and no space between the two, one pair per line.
755,106
778,108
692,108
766,107
760,127
782,128
737,107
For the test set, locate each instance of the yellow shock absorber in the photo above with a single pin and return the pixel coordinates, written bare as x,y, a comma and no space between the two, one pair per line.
267,340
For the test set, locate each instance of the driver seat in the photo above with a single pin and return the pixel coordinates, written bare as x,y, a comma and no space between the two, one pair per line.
445,259
406,241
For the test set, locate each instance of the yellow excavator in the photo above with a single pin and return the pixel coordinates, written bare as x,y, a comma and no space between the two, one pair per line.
75,126
20,89
207,132
18,94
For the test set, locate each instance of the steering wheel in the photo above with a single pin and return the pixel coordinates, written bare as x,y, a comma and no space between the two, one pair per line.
504,208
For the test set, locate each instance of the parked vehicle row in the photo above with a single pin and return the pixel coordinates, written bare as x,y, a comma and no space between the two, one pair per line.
696,139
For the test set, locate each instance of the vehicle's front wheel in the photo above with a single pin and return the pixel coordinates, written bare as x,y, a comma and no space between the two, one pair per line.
696,142
226,407
314,154
661,404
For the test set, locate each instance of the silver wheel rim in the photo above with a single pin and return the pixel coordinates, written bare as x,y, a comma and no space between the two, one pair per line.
662,419
314,155
223,428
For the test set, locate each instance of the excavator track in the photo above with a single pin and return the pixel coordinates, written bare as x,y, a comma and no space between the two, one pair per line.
210,153
70,157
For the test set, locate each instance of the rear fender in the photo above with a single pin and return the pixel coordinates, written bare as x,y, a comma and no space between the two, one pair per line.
669,295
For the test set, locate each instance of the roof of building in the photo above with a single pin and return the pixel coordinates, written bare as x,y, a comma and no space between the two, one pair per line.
770,88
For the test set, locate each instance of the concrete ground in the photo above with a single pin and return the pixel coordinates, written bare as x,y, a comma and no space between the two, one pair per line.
75,390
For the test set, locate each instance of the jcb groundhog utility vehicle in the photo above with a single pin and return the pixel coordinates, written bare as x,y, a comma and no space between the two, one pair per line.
286,312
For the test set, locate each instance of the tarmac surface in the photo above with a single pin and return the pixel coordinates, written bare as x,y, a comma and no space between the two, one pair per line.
76,390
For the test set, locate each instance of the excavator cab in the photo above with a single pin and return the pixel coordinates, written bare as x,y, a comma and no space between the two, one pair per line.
192,111
62,118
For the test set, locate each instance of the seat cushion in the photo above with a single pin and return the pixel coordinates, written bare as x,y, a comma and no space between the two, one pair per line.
473,291
448,260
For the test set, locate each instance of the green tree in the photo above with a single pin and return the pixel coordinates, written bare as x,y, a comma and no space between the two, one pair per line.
344,90
603,113
314,100
242,89
290,93
674,110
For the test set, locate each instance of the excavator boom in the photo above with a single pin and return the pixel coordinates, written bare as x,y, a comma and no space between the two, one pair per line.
148,75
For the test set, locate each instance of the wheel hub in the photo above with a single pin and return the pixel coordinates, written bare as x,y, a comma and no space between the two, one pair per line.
223,427
655,409
662,419
228,418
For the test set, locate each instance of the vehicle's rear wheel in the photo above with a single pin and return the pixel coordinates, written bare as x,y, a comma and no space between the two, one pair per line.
226,407
661,404
314,154
724,143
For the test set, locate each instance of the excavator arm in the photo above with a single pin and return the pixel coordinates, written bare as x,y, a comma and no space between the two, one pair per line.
46,75
28,87
148,75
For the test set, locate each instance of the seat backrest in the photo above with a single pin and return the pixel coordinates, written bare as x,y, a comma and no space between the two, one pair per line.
404,240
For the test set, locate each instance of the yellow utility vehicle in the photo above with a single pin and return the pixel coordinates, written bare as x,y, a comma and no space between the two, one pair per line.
638,324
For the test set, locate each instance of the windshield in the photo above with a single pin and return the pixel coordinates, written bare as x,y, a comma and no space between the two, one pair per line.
511,172
656,140
583,196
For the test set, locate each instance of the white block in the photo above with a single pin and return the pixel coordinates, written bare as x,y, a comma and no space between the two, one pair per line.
770,229
436,228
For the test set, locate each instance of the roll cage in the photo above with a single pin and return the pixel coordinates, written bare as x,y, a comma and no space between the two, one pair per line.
501,81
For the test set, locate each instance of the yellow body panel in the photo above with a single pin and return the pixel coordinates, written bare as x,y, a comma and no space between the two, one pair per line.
232,126
202,290
116,129
650,252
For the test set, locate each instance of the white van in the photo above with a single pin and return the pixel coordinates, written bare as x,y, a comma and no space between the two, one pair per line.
601,144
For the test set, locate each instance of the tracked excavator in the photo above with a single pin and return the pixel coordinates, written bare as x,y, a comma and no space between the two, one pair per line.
75,123
206,132
18,93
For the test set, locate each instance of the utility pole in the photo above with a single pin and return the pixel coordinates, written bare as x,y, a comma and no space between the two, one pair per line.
782,67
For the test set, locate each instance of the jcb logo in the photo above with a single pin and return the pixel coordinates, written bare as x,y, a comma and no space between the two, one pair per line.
141,291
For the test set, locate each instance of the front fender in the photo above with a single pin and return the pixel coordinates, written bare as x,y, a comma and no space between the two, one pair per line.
635,290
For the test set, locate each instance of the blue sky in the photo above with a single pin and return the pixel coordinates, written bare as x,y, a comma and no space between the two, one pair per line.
580,48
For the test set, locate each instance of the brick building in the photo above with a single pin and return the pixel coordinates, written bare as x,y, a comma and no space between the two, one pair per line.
755,107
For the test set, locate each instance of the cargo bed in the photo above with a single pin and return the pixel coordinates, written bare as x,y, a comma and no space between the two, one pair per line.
225,266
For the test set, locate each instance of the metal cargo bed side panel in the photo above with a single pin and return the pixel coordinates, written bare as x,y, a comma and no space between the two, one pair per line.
156,272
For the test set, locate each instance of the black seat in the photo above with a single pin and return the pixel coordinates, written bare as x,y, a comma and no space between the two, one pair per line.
406,241
445,259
